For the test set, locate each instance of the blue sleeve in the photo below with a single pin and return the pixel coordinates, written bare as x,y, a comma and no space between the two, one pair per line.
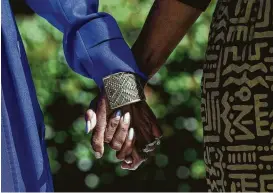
93,44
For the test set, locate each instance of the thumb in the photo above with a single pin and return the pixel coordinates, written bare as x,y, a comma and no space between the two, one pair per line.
97,140
90,115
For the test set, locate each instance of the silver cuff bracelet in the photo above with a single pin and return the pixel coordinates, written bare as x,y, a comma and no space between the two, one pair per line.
122,89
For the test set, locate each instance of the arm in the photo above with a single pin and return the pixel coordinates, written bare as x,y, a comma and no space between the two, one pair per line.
94,47
93,44
166,24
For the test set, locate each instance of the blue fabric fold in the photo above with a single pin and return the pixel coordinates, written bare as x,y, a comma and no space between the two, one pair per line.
93,46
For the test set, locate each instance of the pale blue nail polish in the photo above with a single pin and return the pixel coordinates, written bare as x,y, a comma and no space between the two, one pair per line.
118,113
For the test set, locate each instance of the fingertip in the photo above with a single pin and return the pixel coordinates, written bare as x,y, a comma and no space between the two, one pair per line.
97,155
128,160
116,145
125,166
90,113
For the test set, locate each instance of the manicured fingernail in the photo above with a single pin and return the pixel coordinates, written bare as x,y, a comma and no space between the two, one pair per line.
126,118
128,161
118,114
97,155
88,126
131,134
93,122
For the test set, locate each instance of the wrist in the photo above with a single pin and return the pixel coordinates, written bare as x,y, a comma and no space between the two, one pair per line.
112,57
148,60
123,89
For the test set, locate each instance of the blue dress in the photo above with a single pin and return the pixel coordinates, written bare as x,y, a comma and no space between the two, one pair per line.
93,46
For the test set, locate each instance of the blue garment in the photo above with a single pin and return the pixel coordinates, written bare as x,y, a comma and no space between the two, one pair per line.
93,46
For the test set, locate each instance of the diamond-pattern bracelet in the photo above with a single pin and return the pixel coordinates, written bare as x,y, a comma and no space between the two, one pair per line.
123,88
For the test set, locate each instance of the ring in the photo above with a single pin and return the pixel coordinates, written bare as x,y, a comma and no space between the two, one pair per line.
151,146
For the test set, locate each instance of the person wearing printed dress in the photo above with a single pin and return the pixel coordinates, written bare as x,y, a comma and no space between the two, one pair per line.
237,85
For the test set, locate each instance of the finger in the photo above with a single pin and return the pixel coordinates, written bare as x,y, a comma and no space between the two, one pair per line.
137,160
128,160
112,126
127,147
97,140
126,166
121,132
131,166
91,120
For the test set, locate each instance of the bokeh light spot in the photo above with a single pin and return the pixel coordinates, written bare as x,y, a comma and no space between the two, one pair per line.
161,160
198,169
183,188
69,157
191,124
84,164
179,122
92,181
190,154
182,172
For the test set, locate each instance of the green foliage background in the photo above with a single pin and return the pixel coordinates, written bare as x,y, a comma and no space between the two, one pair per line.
173,93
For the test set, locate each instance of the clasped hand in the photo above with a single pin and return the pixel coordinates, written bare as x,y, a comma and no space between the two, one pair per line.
127,130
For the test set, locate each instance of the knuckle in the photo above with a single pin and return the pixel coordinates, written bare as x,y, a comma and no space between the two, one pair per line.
110,130
100,127
108,135
114,123
123,129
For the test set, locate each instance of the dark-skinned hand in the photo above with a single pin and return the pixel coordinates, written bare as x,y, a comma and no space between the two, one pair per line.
127,130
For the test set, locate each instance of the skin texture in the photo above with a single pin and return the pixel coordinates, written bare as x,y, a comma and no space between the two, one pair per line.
165,26
139,117
167,23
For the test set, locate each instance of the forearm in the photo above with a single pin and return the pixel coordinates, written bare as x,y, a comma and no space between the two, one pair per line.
93,44
166,24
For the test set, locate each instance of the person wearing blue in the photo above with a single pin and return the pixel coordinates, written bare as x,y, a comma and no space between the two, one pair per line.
93,46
